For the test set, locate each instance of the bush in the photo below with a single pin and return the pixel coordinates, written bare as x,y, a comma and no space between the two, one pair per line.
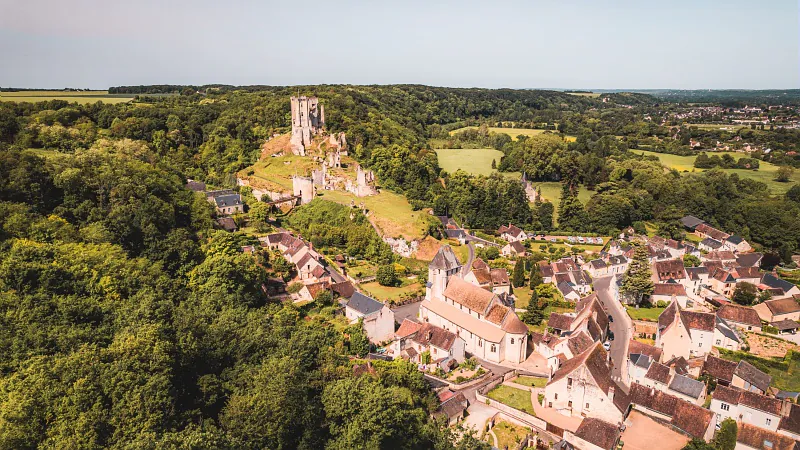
662,304
770,329
387,276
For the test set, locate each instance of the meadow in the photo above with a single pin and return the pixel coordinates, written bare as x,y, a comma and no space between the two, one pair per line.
81,97
765,173
474,161
514,132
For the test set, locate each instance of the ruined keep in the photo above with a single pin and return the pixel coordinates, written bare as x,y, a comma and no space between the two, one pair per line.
308,120
303,187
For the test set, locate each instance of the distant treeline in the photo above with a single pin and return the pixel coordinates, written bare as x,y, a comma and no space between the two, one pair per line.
731,97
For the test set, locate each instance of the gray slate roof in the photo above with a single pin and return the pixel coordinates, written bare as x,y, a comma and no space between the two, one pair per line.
749,373
640,360
687,386
445,259
713,243
691,222
364,304
228,200
774,282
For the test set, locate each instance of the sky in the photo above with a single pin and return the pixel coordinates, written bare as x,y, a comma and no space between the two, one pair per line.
570,44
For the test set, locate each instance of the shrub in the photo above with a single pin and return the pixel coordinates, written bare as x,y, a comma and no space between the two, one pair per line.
662,304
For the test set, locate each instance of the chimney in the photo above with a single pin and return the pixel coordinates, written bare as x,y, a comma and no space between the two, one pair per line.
786,407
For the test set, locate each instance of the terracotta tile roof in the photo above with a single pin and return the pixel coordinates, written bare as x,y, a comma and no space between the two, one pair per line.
692,419
762,439
595,361
464,320
517,247
513,325
497,313
644,349
482,275
785,325
432,335
719,368
727,394
658,372
713,232
315,288
546,269
479,264
782,306
653,399
408,327
720,255
469,295
669,289
736,396
668,316
791,422
600,433
499,277
670,269
454,406
749,259
698,321
739,314
747,272
579,343
679,364
749,373
344,289
559,321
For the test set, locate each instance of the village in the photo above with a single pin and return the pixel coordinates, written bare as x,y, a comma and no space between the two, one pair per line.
608,366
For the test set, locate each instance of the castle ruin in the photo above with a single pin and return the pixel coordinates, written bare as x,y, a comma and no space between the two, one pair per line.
308,120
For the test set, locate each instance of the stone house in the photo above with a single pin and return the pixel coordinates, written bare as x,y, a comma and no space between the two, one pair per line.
737,244
688,333
452,407
514,248
669,270
746,407
594,434
226,202
750,437
413,339
776,310
790,423
705,230
512,233
693,420
582,387
378,318
742,317
596,268
669,292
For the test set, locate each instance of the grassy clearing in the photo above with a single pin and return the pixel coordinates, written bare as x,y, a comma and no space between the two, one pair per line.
551,190
538,382
509,435
514,132
473,161
765,173
649,314
391,294
716,126
513,397
389,211
82,97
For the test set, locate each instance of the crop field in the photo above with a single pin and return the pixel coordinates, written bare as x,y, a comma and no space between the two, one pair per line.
475,161
765,173
81,97
584,94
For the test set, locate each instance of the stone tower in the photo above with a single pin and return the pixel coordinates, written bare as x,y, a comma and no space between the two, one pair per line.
443,266
308,119
303,187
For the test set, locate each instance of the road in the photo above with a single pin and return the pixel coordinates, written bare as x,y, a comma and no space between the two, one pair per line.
622,327
468,266
409,311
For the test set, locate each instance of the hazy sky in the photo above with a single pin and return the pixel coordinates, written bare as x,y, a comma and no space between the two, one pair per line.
633,44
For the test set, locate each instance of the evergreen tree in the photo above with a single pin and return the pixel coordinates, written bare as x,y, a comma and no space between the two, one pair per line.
494,164
536,277
638,280
518,276
571,213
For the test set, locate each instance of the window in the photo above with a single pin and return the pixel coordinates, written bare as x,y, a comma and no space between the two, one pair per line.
769,421
767,444
719,342
512,341
725,407
555,397
587,406
494,348
699,344
569,382
480,342
569,404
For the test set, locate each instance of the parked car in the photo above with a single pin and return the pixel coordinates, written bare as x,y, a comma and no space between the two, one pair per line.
607,346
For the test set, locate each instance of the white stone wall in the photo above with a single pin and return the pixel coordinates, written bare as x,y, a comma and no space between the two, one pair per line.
558,395
748,415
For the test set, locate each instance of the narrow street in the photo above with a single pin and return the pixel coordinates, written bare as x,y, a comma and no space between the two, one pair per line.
621,327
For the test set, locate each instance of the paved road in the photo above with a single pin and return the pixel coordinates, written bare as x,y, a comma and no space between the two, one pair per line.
409,311
468,266
621,327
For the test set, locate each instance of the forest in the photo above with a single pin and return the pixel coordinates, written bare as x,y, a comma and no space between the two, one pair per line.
129,322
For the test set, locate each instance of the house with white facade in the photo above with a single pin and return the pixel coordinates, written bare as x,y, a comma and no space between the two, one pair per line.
378,318
512,233
414,338
490,330
689,334
747,407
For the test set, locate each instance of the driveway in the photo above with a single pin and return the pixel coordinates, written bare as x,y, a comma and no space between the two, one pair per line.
644,433
622,327
409,311
478,415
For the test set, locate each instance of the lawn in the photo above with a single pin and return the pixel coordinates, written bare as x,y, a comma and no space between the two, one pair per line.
551,190
390,294
538,382
276,173
514,132
765,173
784,379
389,211
513,397
649,314
508,435
474,161
81,97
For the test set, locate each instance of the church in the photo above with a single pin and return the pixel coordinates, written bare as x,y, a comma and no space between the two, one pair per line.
491,330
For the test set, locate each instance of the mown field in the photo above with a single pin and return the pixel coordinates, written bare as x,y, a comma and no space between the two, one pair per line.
765,173
514,132
81,97
474,161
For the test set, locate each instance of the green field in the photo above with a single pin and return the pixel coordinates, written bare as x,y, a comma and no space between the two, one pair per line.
648,314
765,173
514,132
513,397
584,94
81,97
391,294
508,435
551,190
538,382
474,161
